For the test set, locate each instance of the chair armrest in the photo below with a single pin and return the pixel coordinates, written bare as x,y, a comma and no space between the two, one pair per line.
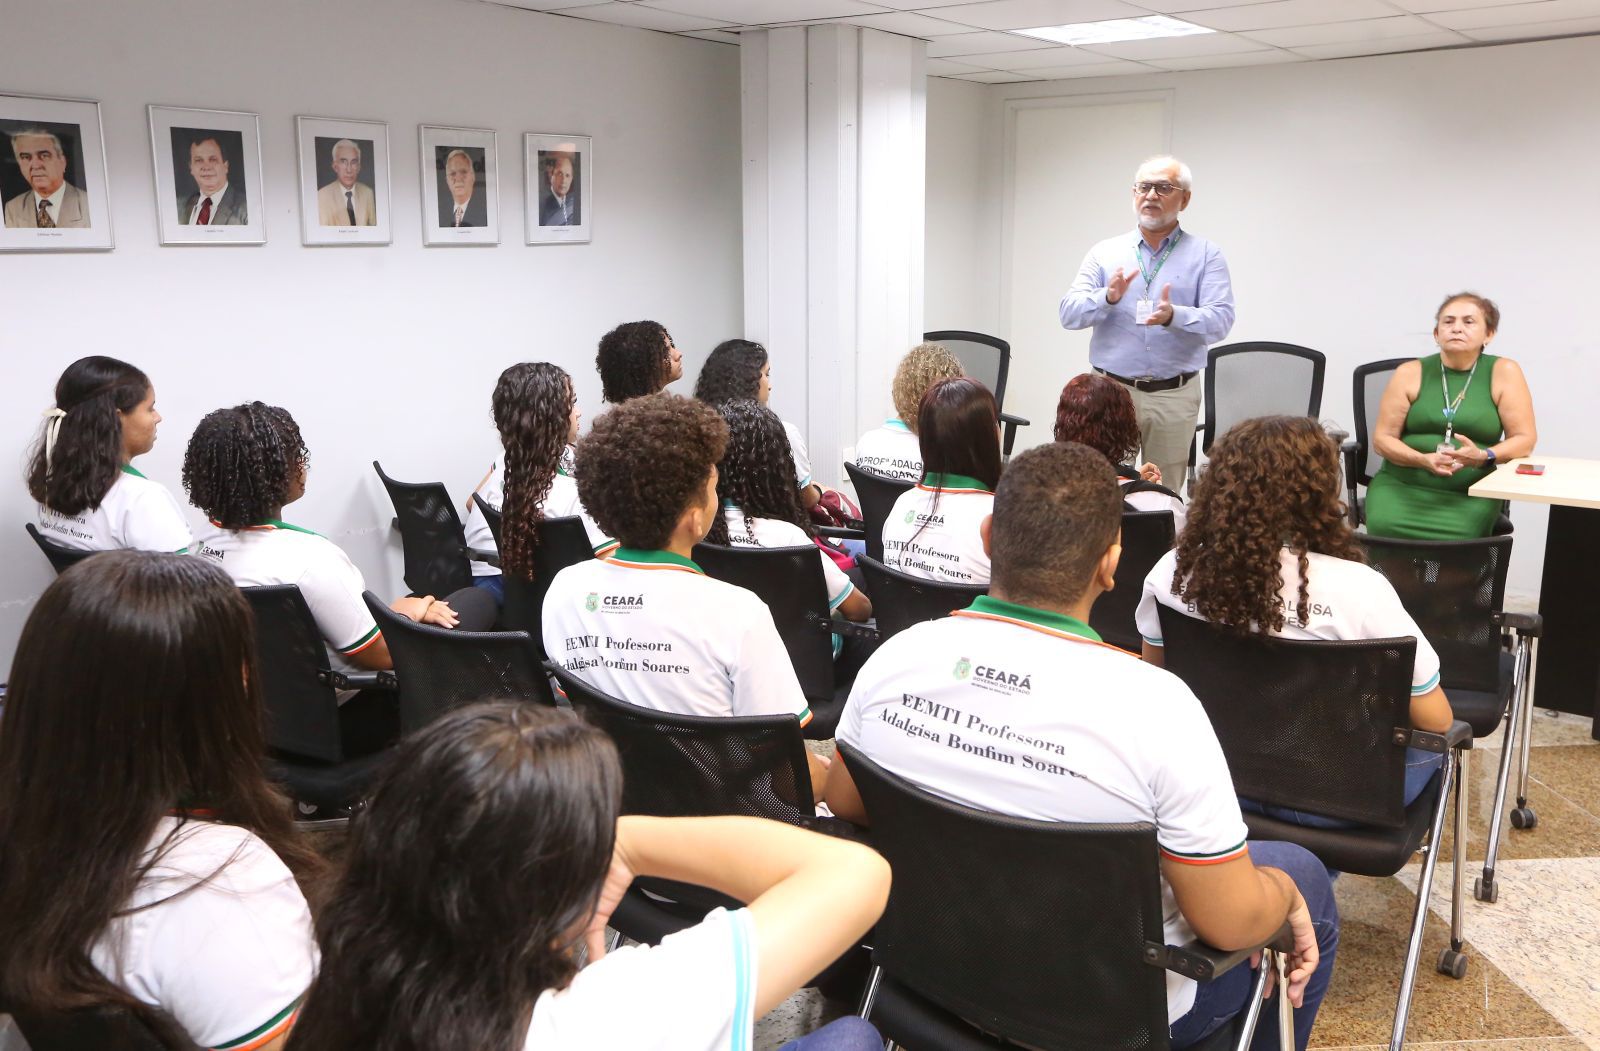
360,680
1529,624
851,629
843,532
1352,473
1458,736
1336,431
484,555
1009,424
1204,963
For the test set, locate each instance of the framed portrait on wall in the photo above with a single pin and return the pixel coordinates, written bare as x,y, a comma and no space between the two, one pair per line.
53,184
559,177
209,188
344,181
460,186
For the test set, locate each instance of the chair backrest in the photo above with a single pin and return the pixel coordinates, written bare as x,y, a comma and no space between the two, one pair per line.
561,542
985,358
302,708
490,516
1307,725
1367,384
1146,536
430,536
1452,589
695,765
994,918
900,600
877,495
1244,380
442,668
100,1028
789,580
61,558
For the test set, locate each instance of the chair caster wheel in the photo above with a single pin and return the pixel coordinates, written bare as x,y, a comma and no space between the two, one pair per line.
1485,892
1452,963
1524,817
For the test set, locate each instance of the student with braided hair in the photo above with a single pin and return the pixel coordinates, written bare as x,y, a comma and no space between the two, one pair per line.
740,370
81,472
637,358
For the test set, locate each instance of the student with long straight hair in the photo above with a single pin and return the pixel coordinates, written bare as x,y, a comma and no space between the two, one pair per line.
81,471
492,848
932,531
741,370
145,861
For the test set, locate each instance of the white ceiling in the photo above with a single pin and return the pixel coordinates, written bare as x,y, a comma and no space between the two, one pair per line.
976,41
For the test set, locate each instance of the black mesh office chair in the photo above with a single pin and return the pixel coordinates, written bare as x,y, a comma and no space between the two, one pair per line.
430,536
1361,459
1455,591
491,517
1146,536
900,600
560,542
1244,380
101,1028
61,558
442,668
982,934
1323,727
986,359
876,495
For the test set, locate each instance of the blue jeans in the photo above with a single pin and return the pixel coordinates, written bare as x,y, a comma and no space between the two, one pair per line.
1217,1002
495,585
845,1034
1420,768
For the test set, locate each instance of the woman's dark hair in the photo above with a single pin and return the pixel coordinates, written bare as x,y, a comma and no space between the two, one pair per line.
643,462
732,372
634,360
532,404
75,475
958,428
756,474
467,881
242,462
134,693
1097,411
1271,482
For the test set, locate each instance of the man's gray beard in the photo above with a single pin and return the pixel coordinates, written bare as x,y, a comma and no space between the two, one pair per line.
1150,222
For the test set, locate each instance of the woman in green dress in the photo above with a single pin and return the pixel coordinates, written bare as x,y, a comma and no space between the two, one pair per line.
1442,426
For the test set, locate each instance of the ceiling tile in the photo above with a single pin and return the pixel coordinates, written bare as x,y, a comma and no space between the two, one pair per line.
1061,55
1345,32
713,35
1288,13
1517,14
1422,7
1178,46
761,12
642,17
944,67
562,5
1030,14
1269,57
982,43
1172,7
908,23
1568,27
1356,48
928,5
1114,68
993,77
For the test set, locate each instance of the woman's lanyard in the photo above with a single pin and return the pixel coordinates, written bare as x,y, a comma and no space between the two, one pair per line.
1452,407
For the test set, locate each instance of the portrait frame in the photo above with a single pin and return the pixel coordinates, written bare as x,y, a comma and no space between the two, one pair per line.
481,218
540,149
236,137
316,139
76,125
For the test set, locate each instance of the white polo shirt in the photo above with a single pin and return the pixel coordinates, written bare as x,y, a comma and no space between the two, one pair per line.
891,450
135,513
772,532
693,992
939,542
217,935
802,457
279,553
650,628
1347,600
561,502
1023,712
1148,500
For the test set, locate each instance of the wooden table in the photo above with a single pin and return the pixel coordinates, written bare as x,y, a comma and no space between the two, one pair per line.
1569,593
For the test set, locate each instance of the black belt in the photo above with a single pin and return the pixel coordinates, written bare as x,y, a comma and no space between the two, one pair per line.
1149,385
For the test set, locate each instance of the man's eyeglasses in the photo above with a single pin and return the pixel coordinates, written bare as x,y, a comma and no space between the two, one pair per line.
1160,189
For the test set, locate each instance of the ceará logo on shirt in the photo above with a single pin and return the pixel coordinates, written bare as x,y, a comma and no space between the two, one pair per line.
612,603
915,518
963,669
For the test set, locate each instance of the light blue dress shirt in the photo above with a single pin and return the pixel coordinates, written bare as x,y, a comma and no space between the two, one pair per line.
1202,306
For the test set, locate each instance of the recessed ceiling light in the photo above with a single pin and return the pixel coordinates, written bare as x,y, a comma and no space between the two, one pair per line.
1147,28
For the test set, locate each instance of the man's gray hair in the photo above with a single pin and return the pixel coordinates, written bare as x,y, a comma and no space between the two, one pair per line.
459,153
37,133
1166,160
333,154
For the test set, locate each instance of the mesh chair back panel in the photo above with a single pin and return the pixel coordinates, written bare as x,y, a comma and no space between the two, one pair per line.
442,668
985,358
1244,380
302,712
789,580
1367,386
100,1028
561,542
61,558
1452,589
1146,536
1299,720
876,495
491,517
689,766
430,536
1031,930
899,600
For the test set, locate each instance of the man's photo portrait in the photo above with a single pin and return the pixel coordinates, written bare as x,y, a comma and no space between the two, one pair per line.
345,199
461,200
560,199
42,178
208,172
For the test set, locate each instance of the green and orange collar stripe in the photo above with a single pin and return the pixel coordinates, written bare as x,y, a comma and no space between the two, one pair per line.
271,523
607,549
266,1033
129,468
635,558
987,607
895,423
951,483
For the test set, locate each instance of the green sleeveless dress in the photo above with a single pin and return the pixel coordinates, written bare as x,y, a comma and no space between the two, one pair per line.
1413,503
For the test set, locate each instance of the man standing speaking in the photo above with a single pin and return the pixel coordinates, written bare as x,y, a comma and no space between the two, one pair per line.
1157,298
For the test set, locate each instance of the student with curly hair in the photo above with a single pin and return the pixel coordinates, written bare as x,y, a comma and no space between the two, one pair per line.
759,509
637,358
145,861
492,848
81,471
1096,411
1267,551
740,370
933,530
892,450
536,412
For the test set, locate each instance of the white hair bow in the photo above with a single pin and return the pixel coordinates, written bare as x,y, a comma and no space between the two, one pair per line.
52,427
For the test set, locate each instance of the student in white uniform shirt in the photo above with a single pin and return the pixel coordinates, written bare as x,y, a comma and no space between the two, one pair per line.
1097,411
1014,705
892,449
932,530
1290,567
81,473
492,848
145,861
740,370
536,412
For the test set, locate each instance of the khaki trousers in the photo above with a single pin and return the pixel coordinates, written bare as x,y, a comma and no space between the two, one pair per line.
1166,427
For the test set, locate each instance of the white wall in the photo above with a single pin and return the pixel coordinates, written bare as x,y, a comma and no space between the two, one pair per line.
962,274
381,353
1349,197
